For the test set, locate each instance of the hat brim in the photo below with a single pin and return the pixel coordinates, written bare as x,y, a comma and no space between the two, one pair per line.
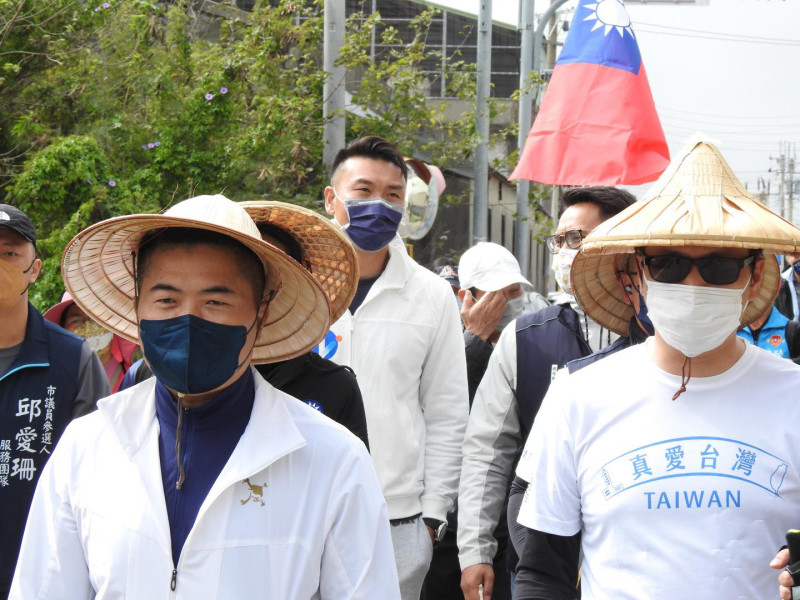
328,252
499,281
55,313
598,291
97,267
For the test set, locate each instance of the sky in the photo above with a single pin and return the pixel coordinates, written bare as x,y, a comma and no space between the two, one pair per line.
725,68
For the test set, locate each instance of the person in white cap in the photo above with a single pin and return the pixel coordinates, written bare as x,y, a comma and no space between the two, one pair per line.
660,472
493,295
204,481
492,290
524,361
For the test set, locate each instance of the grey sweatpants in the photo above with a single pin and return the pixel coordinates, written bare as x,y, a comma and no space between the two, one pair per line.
413,550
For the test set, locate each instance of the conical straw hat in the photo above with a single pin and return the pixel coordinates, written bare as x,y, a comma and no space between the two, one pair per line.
598,291
97,267
328,252
698,201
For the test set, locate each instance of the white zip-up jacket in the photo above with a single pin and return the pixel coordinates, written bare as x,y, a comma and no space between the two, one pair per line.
407,350
295,514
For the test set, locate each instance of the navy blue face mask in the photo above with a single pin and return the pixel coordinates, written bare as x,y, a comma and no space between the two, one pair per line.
373,223
796,267
642,315
191,355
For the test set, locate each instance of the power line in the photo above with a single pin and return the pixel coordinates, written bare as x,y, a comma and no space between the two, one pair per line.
712,35
715,115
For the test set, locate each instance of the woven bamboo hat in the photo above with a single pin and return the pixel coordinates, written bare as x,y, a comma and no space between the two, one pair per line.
97,267
326,250
697,201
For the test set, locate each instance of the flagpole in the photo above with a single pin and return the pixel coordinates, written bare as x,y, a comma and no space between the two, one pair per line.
523,241
484,79
333,91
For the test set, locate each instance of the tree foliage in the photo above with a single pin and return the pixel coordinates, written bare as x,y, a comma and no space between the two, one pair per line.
114,107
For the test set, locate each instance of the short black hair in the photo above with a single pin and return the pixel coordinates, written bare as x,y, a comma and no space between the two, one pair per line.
371,146
444,261
248,263
282,236
610,200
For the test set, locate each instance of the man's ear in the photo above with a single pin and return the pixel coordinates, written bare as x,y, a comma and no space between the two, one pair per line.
330,198
624,282
758,276
263,311
35,271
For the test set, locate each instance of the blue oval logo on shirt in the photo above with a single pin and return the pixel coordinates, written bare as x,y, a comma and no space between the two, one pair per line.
315,405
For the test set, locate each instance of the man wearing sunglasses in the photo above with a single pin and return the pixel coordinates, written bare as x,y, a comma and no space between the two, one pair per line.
525,359
658,472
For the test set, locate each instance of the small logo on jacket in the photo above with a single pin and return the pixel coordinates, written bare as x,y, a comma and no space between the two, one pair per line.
256,493
314,404
776,340
328,347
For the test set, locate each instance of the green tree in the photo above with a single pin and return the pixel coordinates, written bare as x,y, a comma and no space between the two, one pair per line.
113,107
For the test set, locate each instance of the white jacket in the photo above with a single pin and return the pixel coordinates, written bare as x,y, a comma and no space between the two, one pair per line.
296,513
405,345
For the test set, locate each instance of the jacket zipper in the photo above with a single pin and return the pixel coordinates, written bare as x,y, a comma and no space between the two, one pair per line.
173,583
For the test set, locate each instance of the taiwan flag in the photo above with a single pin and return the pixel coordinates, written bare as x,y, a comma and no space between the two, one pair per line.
597,124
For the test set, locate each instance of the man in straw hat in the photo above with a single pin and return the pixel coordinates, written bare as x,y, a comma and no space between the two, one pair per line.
322,248
402,337
47,377
204,481
519,371
660,465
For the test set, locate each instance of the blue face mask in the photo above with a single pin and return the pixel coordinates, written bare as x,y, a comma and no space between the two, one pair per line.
644,318
796,267
191,355
373,223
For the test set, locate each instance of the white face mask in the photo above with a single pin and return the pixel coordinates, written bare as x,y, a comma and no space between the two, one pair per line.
562,266
693,319
514,308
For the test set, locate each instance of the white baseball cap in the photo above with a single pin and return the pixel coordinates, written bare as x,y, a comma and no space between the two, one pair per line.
489,267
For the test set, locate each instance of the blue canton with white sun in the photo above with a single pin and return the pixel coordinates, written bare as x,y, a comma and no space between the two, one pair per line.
601,34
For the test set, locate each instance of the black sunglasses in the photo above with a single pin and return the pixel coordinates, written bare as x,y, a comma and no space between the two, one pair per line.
716,270
572,238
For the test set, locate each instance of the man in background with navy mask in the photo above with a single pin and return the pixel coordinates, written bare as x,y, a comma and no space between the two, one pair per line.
402,337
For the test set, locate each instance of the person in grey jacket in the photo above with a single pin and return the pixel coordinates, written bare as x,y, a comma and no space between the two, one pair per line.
507,396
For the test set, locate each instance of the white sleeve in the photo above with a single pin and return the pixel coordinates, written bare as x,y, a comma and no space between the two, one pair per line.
552,502
358,558
445,404
51,562
490,447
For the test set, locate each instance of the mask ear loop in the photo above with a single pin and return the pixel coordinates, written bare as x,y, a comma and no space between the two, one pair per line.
30,266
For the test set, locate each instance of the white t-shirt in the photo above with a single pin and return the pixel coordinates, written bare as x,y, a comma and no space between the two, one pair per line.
675,499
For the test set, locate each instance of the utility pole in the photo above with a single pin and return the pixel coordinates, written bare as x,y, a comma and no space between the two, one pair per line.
480,229
333,90
790,160
523,245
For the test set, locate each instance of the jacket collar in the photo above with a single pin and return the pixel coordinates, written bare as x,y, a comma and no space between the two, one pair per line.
398,271
35,349
270,434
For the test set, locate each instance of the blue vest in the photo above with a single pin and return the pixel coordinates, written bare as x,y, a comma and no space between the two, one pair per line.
546,341
36,396
772,336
